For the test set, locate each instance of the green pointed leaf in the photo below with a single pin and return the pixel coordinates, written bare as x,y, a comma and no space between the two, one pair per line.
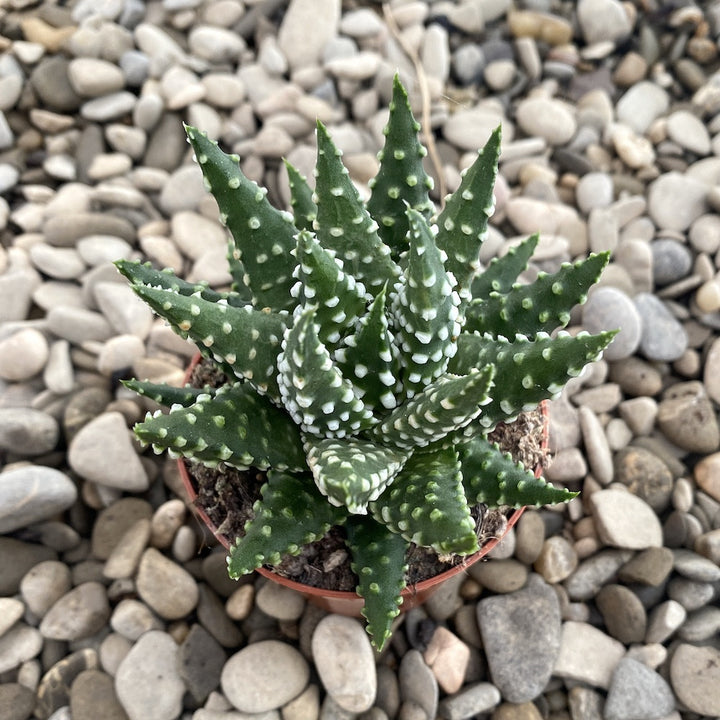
401,179
426,504
367,358
378,559
494,478
243,341
425,310
463,222
503,271
167,394
340,300
527,371
252,220
543,305
445,406
292,513
235,426
344,224
301,198
352,472
144,274
313,389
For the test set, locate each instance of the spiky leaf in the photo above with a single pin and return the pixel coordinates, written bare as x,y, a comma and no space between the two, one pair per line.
235,426
291,513
167,395
401,179
378,559
542,305
301,198
263,237
463,222
368,358
444,407
527,372
313,389
352,472
144,274
344,223
244,341
426,504
322,282
502,272
494,478
425,310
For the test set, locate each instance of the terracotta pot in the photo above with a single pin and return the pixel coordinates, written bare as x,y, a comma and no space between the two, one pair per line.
350,603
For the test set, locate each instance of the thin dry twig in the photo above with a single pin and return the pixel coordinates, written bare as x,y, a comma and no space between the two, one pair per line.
425,98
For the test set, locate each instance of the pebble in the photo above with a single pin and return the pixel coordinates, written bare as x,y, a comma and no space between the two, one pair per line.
131,619
675,201
165,586
707,475
19,557
637,693
625,520
54,689
93,692
448,657
11,610
470,129
345,662
695,567
125,312
125,557
603,20
23,355
17,700
300,48
695,678
687,418
547,118
32,493
201,662
418,683
264,676
557,560
521,634
605,305
17,645
475,699
587,654
92,77
27,432
596,446
645,475
43,585
641,105
649,567
500,576
79,614
688,131
280,602
214,620
147,682
112,464
663,337
623,613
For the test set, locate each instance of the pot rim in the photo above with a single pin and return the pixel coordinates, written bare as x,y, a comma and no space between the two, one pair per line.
408,592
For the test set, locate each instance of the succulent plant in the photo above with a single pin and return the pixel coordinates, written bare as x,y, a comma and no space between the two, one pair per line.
370,357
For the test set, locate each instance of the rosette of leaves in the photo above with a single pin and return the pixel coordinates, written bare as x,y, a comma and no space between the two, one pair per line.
370,357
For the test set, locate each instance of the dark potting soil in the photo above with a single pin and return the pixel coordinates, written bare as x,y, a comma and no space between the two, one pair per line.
227,496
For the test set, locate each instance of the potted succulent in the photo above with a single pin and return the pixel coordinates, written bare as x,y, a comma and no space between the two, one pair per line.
368,359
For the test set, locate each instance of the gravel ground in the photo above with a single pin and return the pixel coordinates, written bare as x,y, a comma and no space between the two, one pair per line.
114,602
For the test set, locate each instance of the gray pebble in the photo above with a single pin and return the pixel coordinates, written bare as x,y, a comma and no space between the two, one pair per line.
417,683
479,698
637,693
672,261
608,308
663,337
79,614
32,493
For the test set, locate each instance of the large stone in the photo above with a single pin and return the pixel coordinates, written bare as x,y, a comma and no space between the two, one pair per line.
264,676
166,587
637,693
33,493
79,614
521,638
345,662
148,683
300,47
624,520
695,677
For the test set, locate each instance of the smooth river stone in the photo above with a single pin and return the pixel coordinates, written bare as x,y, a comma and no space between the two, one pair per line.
31,494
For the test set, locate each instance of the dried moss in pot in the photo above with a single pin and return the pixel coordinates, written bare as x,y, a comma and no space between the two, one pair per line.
370,358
